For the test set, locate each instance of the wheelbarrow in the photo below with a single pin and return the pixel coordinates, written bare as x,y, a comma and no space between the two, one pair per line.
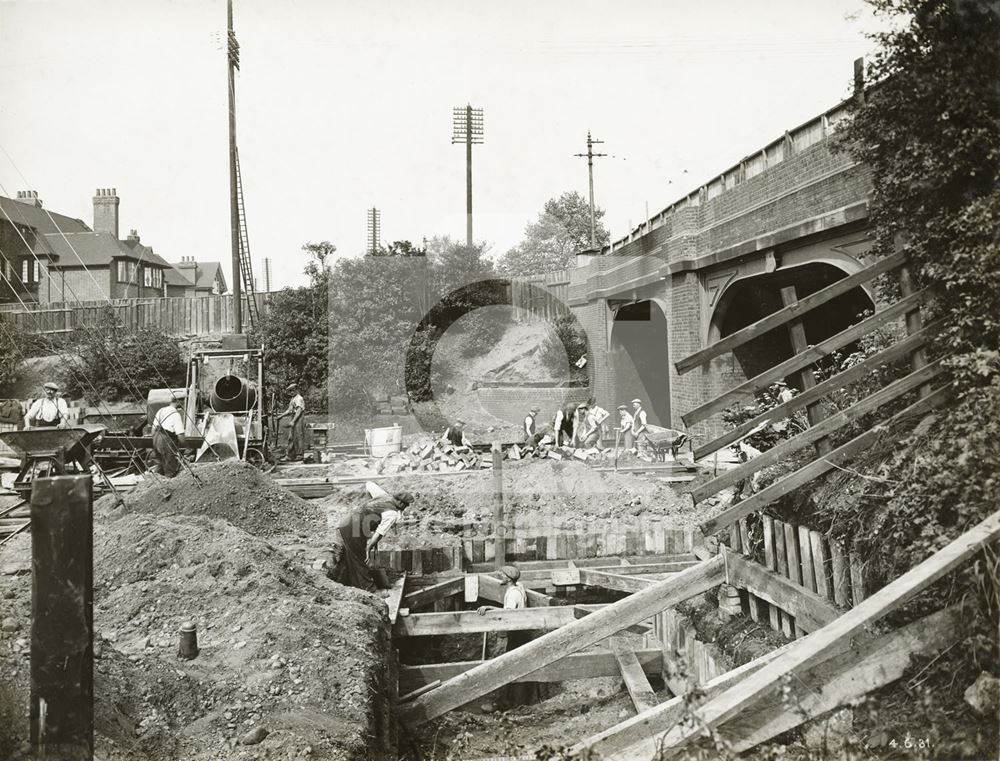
56,448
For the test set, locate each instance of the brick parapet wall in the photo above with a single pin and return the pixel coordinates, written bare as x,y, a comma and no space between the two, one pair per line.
512,403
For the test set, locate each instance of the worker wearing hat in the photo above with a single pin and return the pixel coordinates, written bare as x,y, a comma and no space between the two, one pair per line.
357,538
639,431
50,411
168,436
624,429
297,432
515,596
454,434
529,425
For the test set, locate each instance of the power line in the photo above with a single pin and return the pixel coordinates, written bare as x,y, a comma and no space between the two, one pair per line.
374,228
467,127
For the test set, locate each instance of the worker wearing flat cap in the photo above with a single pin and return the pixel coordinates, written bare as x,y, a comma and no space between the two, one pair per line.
50,411
454,434
297,433
529,425
639,431
624,429
355,543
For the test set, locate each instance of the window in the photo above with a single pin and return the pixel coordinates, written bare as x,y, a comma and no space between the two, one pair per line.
122,271
152,277
31,271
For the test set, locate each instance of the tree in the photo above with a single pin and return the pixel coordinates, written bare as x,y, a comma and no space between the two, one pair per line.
318,266
399,248
562,229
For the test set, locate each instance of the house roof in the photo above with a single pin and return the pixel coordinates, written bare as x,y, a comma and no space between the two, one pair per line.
91,249
206,273
176,279
43,220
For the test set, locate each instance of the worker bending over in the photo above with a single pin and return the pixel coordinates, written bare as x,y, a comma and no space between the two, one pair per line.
564,423
48,412
297,433
168,436
455,435
357,538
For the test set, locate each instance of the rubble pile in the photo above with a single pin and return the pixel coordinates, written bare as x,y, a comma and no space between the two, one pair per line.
428,455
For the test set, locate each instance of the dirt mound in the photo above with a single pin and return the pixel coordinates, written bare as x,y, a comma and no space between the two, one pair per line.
233,491
281,647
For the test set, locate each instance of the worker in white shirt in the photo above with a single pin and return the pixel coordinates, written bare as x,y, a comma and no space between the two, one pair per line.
529,426
168,436
624,428
297,433
48,412
639,430
357,538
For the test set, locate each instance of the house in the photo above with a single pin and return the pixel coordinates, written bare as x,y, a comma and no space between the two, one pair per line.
24,250
196,278
53,258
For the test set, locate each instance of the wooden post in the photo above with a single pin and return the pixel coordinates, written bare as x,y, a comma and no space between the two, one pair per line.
841,588
499,530
914,323
794,563
62,618
797,334
772,565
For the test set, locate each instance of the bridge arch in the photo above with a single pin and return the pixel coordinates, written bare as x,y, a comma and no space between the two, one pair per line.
639,357
746,300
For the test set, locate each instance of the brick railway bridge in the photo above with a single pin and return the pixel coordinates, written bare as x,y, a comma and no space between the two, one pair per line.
784,222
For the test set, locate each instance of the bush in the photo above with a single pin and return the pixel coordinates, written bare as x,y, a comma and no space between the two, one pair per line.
569,344
483,331
347,394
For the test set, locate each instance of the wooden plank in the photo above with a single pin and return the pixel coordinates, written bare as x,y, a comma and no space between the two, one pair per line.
564,641
857,578
578,666
605,580
601,562
844,678
820,565
820,466
61,712
471,622
841,587
914,323
769,561
633,675
810,650
754,605
891,354
499,527
794,564
744,537
811,611
392,602
735,541
492,588
782,563
433,593
812,354
790,312
805,556
472,587
797,333
832,424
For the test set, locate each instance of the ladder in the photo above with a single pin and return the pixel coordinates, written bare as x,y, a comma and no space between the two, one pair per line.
246,268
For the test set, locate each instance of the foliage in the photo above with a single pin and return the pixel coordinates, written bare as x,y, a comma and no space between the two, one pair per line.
568,345
10,356
347,395
119,364
562,229
482,331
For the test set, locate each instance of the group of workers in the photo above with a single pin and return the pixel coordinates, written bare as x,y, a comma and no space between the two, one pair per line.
579,425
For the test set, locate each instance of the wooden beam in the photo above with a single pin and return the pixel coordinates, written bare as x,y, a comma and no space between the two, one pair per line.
811,611
810,650
788,313
639,689
435,592
606,561
392,602
819,466
564,641
470,621
582,611
797,334
471,587
599,664
894,353
615,581
832,424
812,354
492,588
842,679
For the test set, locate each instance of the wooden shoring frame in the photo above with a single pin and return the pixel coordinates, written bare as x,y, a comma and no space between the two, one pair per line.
805,358
789,313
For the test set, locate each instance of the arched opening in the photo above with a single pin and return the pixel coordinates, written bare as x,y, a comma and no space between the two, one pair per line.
751,299
639,359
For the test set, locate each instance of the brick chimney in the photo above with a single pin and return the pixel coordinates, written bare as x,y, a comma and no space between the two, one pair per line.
106,211
133,236
29,197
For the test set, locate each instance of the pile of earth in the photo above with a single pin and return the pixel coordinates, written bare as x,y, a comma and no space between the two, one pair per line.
564,495
283,650
232,491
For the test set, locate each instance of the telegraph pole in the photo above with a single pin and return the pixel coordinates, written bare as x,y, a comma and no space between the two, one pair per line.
374,230
467,127
590,156
232,64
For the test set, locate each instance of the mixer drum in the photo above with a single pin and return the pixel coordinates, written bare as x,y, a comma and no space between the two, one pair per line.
233,394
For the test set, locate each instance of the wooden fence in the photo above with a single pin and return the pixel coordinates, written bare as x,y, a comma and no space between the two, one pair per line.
545,296
180,316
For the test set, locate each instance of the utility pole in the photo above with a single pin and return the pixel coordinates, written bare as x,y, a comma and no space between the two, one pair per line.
590,156
267,274
467,127
232,64
374,230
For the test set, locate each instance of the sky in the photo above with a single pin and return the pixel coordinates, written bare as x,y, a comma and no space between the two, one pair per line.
344,106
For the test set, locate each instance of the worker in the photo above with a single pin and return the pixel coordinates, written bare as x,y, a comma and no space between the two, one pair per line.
562,425
624,428
168,436
588,430
455,435
639,431
50,411
357,538
514,596
529,426
297,433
